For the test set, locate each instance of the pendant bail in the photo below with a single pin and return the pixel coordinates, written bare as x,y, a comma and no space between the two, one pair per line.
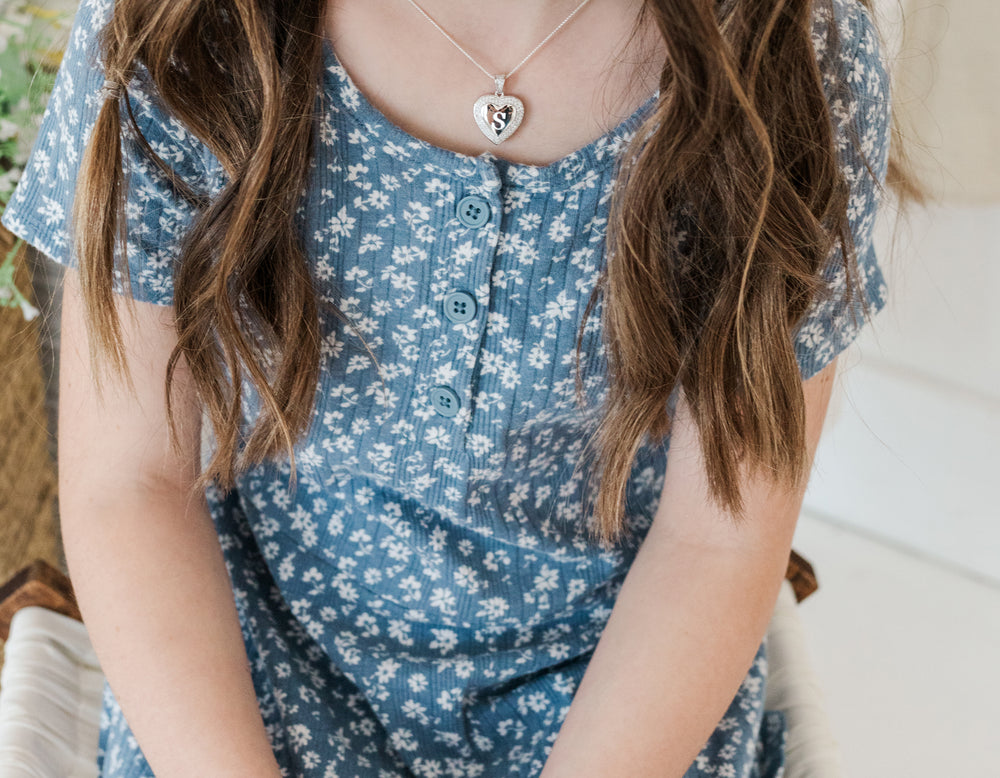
499,81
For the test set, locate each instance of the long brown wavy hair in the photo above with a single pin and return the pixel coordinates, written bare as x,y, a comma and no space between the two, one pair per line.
741,142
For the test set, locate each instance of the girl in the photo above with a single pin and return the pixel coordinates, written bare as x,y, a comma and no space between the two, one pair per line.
442,328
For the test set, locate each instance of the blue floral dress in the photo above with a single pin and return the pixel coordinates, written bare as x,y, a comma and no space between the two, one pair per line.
425,602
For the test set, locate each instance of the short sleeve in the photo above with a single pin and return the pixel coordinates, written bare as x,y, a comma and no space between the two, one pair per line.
157,216
857,85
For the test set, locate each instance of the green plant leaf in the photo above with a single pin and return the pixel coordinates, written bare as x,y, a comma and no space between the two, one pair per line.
31,41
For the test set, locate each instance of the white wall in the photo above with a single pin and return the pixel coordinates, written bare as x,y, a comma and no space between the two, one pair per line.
910,452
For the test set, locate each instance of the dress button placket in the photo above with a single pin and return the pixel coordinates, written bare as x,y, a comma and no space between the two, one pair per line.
488,398
476,215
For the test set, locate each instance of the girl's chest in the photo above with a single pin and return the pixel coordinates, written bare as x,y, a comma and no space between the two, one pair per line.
463,289
417,253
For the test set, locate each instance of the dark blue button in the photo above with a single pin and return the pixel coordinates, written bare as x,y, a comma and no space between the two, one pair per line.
460,307
444,400
473,211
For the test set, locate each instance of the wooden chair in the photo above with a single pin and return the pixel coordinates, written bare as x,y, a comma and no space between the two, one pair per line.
51,683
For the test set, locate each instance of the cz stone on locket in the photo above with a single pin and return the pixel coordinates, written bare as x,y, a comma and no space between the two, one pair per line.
498,115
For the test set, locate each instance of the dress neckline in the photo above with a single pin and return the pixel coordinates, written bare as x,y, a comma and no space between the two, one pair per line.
597,154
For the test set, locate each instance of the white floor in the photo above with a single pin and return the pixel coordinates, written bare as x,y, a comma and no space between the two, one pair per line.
908,651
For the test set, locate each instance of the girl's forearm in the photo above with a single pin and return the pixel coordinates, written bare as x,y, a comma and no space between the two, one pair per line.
681,637
689,617
155,596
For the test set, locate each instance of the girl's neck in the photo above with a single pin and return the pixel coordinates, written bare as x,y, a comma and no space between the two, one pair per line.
499,31
580,85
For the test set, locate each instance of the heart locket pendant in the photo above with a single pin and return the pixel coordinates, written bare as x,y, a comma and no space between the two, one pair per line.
498,115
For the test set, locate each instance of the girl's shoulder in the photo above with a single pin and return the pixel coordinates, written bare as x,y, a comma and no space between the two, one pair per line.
845,35
40,208
856,82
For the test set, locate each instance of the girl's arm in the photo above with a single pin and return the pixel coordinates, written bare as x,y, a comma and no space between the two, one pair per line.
145,560
688,620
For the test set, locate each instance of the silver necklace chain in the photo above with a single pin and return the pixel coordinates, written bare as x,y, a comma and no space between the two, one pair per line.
499,78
